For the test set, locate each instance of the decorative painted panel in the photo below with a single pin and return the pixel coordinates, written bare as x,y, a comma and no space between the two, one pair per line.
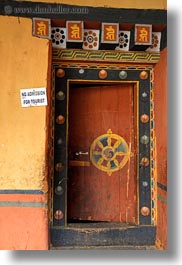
41,27
58,37
106,56
143,34
74,31
156,41
110,33
124,41
91,39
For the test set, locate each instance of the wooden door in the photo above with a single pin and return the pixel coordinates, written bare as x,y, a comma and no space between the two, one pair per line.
94,194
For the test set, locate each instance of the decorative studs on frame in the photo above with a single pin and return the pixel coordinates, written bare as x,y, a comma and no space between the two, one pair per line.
145,211
58,215
143,75
144,139
60,73
144,161
122,74
58,166
60,119
59,141
144,118
60,95
145,96
59,190
81,71
102,74
144,184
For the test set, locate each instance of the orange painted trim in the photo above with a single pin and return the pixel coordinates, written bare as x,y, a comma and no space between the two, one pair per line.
24,197
24,229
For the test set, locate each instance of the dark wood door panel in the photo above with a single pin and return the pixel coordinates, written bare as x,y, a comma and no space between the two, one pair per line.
93,195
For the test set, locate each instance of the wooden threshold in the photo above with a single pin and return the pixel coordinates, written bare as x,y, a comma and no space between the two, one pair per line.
102,235
152,247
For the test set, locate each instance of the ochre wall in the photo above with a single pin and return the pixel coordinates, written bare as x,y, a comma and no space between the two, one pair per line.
139,4
161,144
24,63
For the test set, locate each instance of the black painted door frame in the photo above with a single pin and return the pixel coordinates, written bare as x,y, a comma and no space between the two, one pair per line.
64,234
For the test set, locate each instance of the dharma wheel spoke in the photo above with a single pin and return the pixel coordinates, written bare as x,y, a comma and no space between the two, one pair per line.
100,161
97,153
109,165
109,141
100,144
116,162
121,154
117,144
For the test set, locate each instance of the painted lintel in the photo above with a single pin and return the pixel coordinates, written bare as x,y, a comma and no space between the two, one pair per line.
105,56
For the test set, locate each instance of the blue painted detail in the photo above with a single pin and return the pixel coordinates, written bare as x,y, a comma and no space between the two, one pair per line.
113,165
23,204
104,141
121,148
96,158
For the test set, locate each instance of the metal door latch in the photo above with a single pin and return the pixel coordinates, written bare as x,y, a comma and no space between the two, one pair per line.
81,153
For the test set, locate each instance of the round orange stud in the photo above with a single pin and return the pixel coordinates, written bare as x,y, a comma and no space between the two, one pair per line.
145,161
60,73
143,75
60,119
145,211
102,74
58,166
58,215
144,118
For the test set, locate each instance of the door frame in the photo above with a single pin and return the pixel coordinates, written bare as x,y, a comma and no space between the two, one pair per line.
76,69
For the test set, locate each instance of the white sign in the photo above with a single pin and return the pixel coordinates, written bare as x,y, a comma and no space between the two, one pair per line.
33,97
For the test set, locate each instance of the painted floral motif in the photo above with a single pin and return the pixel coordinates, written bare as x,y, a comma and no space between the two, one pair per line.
58,37
156,39
91,39
124,40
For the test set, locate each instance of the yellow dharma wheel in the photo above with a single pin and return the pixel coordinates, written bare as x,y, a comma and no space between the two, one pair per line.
109,152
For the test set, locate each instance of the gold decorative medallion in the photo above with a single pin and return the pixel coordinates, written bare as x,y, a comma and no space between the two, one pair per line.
109,152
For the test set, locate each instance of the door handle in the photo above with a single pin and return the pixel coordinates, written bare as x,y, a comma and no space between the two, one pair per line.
77,160
80,153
